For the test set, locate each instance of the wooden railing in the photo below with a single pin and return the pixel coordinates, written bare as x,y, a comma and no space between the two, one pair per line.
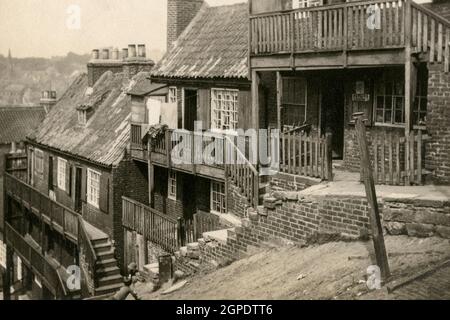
241,172
430,34
332,27
205,222
34,259
64,220
349,26
153,225
88,257
306,155
397,160
136,136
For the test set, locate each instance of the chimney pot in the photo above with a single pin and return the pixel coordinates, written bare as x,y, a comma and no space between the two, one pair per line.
141,51
124,53
105,55
132,50
95,54
115,54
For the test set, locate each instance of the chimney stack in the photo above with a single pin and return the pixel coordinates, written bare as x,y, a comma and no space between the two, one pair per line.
179,14
48,99
115,54
105,54
102,61
95,54
137,61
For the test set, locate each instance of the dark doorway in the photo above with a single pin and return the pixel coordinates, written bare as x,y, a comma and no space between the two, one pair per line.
78,181
50,173
190,108
188,196
332,111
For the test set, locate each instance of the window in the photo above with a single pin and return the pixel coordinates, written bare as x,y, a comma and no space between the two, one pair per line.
297,4
390,100
294,101
224,109
39,161
93,187
62,167
173,95
82,117
218,201
420,101
172,185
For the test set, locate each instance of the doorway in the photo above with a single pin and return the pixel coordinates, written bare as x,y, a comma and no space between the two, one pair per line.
190,108
332,111
189,193
78,181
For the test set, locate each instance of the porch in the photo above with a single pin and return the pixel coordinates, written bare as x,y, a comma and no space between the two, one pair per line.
361,33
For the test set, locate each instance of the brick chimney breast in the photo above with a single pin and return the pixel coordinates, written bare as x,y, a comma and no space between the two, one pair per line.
179,14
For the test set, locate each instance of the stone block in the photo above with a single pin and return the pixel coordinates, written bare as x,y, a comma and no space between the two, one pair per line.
443,232
395,228
420,230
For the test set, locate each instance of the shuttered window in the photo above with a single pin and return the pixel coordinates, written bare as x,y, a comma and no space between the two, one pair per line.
218,200
173,94
39,161
62,169
93,188
224,109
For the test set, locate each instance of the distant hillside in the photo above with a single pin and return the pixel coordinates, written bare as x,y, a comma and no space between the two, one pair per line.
22,80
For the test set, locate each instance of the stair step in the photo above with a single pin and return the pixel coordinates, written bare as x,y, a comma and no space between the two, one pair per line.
102,247
100,241
109,271
113,288
106,263
109,280
106,255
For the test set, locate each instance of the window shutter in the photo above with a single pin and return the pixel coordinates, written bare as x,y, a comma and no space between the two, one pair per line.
83,184
55,172
104,193
69,173
204,107
244,109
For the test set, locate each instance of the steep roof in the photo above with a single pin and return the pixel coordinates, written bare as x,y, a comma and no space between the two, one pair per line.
17,122
105,136
144,86
214,45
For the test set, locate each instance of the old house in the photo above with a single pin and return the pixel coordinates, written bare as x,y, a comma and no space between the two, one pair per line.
78,170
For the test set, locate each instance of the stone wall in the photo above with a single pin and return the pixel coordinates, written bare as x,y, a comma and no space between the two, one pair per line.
291,182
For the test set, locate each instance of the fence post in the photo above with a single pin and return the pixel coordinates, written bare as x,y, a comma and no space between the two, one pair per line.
329,156
375,221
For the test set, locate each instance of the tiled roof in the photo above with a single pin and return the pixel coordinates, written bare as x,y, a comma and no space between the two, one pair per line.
17,122
105,136
144,86
214,45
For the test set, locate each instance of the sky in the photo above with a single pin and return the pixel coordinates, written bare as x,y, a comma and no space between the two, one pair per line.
45,28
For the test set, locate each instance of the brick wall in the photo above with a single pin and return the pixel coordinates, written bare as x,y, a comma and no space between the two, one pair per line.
179,15
290,182
96,70
437,157
130,69
236,202
130,179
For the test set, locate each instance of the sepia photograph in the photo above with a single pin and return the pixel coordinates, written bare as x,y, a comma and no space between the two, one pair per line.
236,153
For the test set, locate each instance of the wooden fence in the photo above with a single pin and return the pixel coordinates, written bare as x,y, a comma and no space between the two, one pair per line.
397,160
306,155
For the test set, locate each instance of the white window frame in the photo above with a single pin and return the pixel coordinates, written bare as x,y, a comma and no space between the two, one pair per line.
219,113
173,95
172,185
82,117
61,175
39,161
214,197
93,191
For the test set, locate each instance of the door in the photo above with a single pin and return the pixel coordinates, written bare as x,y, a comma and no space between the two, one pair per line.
190,108
332,109
78,181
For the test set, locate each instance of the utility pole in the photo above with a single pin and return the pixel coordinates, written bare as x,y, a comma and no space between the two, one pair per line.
375,221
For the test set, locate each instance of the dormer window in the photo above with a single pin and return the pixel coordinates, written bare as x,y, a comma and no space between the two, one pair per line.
82,117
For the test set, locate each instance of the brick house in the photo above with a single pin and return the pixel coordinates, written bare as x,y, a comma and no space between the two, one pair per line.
78,164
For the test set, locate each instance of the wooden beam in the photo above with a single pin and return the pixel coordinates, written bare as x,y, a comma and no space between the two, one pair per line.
408,68
255,107
374,214
279,95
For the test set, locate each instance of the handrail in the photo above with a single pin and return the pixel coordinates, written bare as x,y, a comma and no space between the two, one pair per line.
156,212
430,12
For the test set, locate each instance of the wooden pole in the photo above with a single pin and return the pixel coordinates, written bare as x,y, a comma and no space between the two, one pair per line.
279,94
375,221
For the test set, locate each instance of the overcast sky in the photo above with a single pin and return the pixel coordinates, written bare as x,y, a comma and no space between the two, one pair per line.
40,27
44,28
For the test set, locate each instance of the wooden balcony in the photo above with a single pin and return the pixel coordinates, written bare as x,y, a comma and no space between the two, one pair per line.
138,149
63,220
343,35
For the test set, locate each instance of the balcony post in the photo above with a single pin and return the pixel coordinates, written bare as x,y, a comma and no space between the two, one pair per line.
255,111
279,95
